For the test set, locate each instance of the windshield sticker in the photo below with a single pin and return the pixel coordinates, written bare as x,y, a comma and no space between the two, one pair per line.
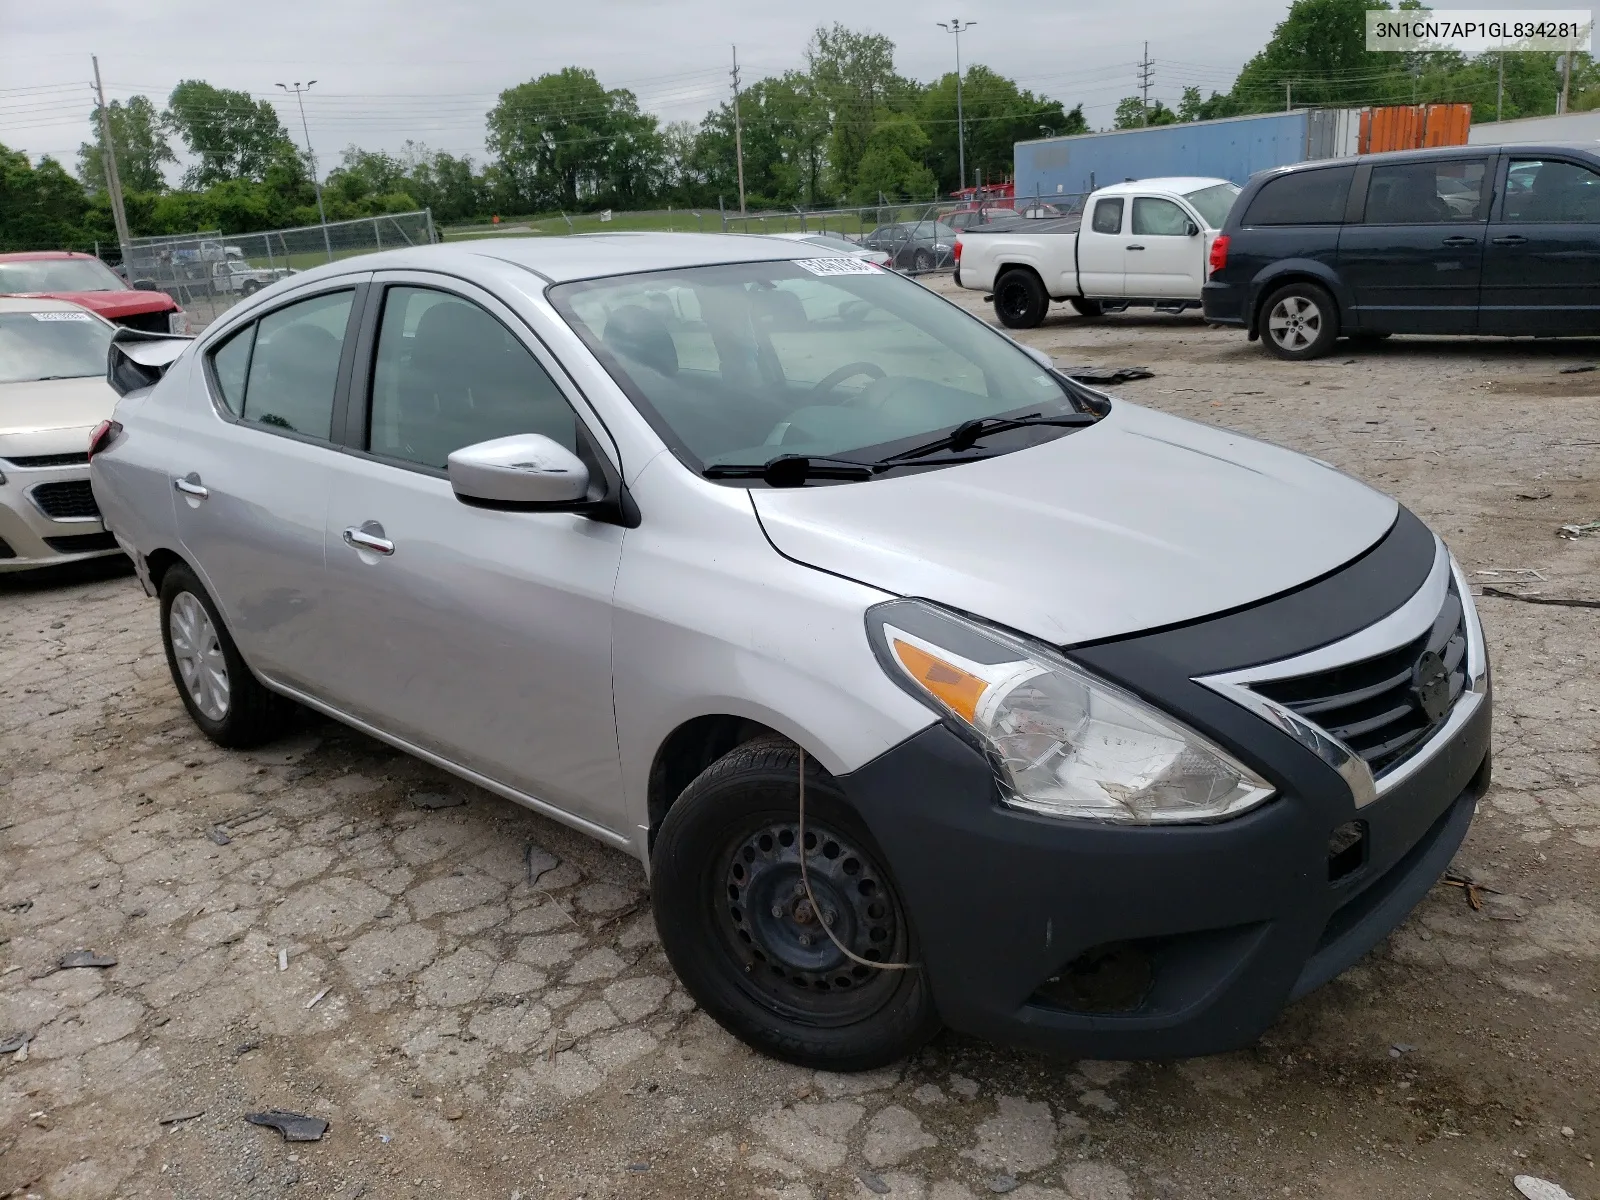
836,266
61,316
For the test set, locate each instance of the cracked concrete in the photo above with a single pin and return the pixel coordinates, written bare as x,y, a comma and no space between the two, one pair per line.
480,1035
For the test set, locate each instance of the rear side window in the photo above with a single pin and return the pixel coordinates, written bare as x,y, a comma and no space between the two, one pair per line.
295,365
1108,216
1426,193
1540,191
231,364
1302,198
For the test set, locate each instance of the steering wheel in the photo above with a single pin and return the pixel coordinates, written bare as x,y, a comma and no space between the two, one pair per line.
849,370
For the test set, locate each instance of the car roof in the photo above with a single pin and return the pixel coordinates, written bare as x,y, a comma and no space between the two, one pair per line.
27,304
1520,149
36,255
1179,184
577,256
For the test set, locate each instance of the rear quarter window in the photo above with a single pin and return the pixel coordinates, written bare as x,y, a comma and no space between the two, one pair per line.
1302,198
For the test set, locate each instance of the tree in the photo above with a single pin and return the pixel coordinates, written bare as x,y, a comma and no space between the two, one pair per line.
232,136
140,143
1132,114
41,205
563,141
853,74
891,164
785,144
1190,106
997,115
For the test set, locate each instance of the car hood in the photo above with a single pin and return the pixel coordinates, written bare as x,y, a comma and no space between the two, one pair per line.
52,416
115,305
1140,521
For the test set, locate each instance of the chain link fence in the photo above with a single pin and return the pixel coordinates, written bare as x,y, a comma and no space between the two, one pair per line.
208,273
917,238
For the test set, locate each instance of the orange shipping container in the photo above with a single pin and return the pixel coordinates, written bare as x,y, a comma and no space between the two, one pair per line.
1413,126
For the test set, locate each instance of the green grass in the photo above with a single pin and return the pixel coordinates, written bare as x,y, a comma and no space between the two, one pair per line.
681,221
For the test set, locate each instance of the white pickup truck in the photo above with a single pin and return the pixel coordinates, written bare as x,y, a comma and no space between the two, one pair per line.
1144,243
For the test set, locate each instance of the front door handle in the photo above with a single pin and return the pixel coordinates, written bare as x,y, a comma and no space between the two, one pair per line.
1135,247
1459,240
190,485
1512,239
363,539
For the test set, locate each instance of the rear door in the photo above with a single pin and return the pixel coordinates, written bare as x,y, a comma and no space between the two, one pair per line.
1541,269
1164,251
1414,262
1102,250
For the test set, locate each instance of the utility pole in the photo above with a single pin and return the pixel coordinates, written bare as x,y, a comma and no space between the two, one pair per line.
316,178
955,26
1146,72
1500,88
108,154
1566,80
738,132
1288,95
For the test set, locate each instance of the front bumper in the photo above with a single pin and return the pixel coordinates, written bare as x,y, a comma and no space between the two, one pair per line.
29,538
1113,941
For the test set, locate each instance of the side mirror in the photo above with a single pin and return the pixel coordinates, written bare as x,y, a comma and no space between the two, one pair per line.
1192,229
526,470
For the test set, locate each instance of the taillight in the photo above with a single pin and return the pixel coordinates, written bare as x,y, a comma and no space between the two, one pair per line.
1219,253
957,251
104,434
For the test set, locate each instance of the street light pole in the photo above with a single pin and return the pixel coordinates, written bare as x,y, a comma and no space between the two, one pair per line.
316,180
956,26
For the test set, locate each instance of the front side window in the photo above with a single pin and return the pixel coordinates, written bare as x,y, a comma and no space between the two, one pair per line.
448,375
746,362
1108,216
1551,192
1426,193
51,345
1154,217
1302,198
294,367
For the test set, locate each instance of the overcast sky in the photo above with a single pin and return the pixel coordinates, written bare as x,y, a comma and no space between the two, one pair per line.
429,70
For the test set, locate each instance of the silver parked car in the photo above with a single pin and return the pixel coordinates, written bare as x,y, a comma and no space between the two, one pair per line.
929,686
53,393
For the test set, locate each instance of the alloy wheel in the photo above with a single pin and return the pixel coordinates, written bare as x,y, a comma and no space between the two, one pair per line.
1294,322
198,652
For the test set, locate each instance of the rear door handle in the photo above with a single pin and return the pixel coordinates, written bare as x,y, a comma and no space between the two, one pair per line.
1513,239
360,539
1135,247
190,485
1458,240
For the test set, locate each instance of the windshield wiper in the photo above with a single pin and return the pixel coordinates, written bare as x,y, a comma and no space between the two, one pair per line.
965,434
792,470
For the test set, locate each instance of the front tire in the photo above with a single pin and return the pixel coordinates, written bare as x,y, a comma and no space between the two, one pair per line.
744,939
1299,321
223,696
1020,300
922,261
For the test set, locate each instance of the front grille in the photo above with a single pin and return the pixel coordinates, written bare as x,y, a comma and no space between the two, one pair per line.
82,543
65,499
49,460
150,322
1376,707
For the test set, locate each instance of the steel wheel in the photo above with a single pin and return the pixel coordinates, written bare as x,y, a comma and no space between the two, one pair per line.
1294,323
197,650
769,926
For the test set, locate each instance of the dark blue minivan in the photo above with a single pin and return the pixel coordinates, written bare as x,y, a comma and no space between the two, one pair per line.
1456,240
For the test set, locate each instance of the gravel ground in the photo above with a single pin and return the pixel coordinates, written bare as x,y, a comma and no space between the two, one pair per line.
475,998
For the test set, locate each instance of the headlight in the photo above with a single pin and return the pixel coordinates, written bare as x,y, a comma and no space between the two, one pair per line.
1062,742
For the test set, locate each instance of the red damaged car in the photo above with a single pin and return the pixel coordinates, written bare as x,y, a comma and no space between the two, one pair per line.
85,280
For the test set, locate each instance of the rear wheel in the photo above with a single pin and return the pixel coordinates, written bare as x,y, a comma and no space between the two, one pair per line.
1299,321
1087,308
747,941
922,260
223,696
1020,300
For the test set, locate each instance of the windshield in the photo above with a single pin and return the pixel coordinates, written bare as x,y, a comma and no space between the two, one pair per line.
1213,203
832,243
51,345
58,275
746,362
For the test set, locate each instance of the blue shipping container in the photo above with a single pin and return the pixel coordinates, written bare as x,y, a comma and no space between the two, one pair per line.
1234,148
